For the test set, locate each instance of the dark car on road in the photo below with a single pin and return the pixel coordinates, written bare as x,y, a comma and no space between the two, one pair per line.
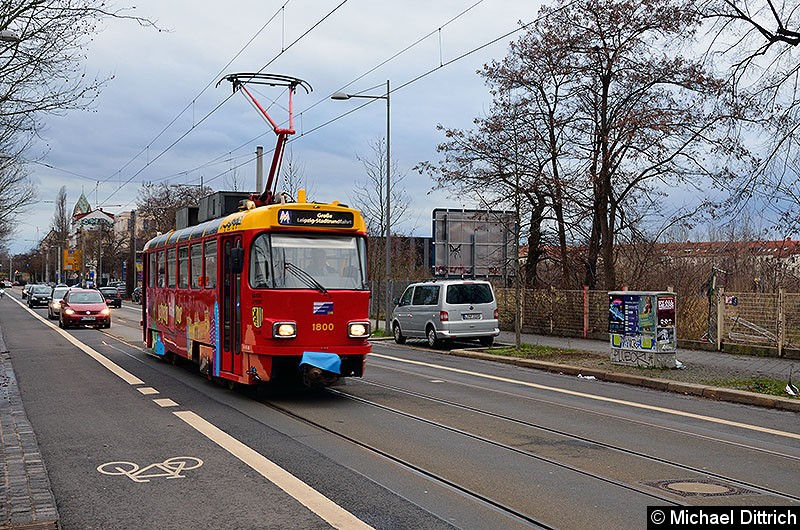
112,296
82,307
39,295
136,295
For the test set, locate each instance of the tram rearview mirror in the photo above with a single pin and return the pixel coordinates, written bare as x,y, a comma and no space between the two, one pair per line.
237,260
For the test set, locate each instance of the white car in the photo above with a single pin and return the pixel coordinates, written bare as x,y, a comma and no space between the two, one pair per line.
441,310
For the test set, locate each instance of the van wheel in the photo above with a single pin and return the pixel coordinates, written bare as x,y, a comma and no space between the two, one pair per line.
398,335
486,341
430,335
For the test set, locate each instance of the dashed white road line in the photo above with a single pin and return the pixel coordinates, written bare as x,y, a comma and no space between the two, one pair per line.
322,506
165,402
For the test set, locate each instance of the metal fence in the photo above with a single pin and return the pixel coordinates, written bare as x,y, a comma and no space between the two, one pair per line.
768,322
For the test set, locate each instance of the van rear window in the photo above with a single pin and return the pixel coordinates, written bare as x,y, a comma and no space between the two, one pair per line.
470,293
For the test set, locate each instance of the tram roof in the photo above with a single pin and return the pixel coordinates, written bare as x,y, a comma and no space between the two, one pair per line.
332,216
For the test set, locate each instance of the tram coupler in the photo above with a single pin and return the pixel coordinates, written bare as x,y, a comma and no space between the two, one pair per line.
319,368
314,377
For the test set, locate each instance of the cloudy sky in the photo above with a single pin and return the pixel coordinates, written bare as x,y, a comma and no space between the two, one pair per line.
161,117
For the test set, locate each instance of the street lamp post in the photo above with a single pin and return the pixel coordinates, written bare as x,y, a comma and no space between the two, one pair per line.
340,96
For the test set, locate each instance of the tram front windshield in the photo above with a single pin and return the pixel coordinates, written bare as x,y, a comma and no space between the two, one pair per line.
286,261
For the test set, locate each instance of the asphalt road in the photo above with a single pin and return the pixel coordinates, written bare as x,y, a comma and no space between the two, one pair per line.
424,440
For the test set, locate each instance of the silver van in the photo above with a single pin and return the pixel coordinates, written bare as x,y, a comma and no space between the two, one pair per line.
440,310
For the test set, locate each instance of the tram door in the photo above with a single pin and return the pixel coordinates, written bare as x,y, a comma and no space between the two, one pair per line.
231,358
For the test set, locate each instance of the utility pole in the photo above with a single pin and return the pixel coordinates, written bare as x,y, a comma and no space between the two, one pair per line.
131,284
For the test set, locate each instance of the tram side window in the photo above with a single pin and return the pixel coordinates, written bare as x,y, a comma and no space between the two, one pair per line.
171,262
211,265
162,269
183,267
151,271
259,262
196,252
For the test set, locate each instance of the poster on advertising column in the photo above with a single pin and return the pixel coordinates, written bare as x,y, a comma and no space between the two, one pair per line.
616,315
665,315
642,327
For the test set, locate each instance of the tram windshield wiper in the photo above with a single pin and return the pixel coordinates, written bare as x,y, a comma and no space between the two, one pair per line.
304,277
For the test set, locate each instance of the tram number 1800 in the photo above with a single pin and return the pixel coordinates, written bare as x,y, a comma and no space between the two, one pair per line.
322,326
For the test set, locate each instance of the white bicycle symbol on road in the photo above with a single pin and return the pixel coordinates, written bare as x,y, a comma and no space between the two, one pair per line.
169,468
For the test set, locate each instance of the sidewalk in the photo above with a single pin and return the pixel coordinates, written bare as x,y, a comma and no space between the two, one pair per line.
715,362
700,365
27,499
594,361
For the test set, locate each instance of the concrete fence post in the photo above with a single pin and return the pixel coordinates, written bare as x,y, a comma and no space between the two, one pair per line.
781,322
720,301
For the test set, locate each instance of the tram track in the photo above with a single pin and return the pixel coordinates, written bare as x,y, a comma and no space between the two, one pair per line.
355,426
493,504
500,445
472,492
616,448
683,432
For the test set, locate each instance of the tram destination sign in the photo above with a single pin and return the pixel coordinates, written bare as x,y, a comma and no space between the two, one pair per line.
319,218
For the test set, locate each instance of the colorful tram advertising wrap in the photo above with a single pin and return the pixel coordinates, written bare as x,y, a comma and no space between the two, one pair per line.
271,293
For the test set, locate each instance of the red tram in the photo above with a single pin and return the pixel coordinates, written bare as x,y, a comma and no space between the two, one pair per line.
267,293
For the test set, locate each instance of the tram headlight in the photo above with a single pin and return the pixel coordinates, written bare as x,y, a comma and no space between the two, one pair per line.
284,330
358,330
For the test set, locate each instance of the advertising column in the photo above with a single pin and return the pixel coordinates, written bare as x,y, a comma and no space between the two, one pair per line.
641,327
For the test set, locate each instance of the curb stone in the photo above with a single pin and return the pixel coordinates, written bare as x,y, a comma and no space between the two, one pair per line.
706,391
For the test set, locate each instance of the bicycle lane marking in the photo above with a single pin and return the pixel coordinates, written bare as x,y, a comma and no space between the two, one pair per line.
615,401
322,506
328,510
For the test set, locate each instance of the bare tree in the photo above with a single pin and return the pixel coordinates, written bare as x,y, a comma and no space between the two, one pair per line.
159,203
44,44
234,180
294,178
17,192
766,23
371,197
40,65
494,164
602,113
61,218
759,40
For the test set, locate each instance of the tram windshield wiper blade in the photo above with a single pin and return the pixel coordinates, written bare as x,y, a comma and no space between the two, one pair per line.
305,277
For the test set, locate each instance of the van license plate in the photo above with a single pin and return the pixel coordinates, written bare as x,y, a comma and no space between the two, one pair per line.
471,316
